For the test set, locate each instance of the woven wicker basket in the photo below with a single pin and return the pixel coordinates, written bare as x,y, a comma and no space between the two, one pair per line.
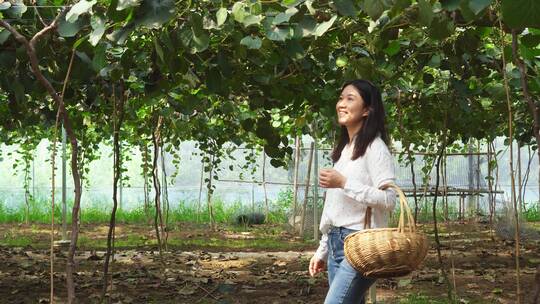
387,252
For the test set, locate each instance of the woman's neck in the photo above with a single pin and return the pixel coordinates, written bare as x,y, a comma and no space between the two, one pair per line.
353,131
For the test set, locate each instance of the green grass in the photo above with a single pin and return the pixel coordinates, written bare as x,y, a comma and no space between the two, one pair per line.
40,212
224,213
532,214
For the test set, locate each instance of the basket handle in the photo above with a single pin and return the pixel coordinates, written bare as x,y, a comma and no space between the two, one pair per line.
405,214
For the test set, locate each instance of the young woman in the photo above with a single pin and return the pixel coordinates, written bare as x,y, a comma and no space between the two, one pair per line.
362,166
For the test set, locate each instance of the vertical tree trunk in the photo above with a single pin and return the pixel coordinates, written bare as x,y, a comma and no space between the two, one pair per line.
118,117
30,47
144,148
165,198
158,219
434,213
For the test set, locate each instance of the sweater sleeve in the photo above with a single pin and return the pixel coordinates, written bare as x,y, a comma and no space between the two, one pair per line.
322,251
380,165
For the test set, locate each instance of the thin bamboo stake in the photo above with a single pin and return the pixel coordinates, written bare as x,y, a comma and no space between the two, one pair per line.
295,181
266,211
306,192
511,163
410,157
200,191
519,178
490,195
477,212
209,196
315,188
448,222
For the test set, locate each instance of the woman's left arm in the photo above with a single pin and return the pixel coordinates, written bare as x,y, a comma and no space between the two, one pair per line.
380,164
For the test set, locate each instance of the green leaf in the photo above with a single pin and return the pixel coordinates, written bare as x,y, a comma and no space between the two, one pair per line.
221,16
100,59
200,43
277,34
18,89
79,41
119,36
291,2
311,9
295,49
346,7
425,11
251,42
5,5
17,9
285,16
98,29
68,29
156,13
239,11
159,50
441,28
306,27
4,35
374,8
252,19
393,48
81,7
341,61
450,5
530,40
324,26
521,13
477,6
123,4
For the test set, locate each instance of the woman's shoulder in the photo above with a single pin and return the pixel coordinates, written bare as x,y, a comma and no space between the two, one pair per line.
378,145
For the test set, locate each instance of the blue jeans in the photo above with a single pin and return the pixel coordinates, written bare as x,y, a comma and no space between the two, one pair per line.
347,286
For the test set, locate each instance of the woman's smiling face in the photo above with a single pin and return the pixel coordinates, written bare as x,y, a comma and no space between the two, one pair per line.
350,107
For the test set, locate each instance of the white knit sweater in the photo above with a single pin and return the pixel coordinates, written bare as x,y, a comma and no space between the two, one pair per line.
346,207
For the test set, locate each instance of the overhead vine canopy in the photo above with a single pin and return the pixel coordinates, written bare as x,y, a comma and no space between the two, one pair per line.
256,72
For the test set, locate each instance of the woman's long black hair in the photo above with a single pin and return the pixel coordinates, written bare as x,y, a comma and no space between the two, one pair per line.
372,126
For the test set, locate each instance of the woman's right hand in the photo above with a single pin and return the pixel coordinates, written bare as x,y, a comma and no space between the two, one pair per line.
316,265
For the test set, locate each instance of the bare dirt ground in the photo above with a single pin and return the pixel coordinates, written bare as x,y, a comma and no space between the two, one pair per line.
222,267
